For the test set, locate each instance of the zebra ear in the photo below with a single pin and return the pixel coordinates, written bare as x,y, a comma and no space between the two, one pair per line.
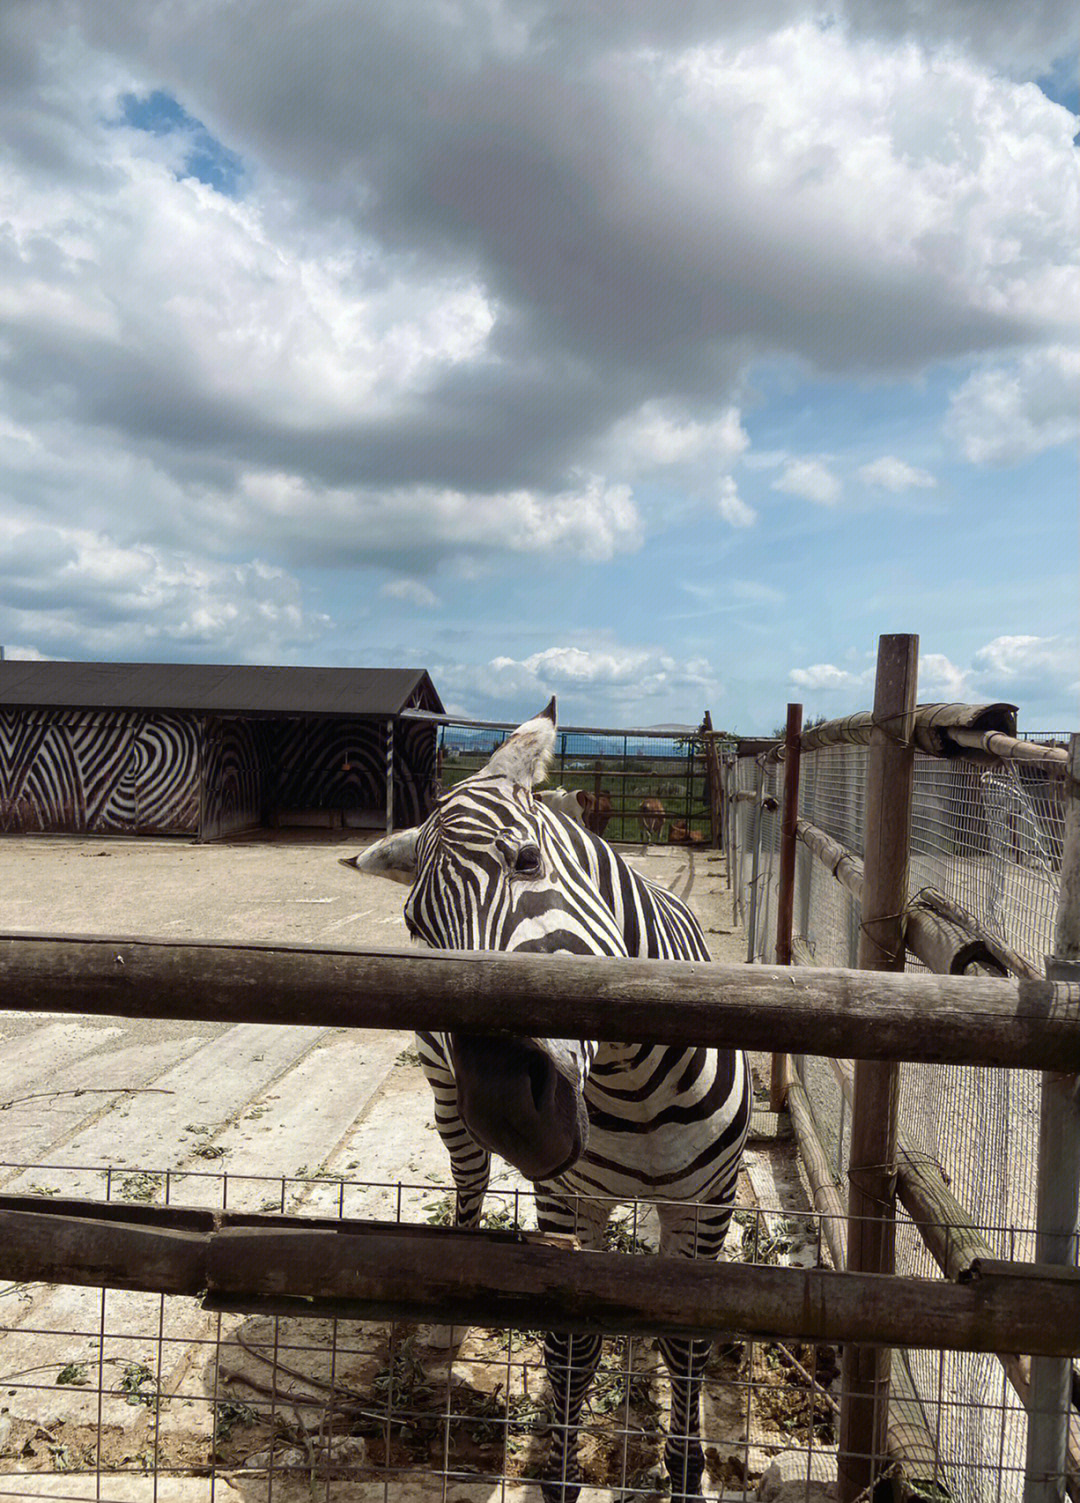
524,756
393,858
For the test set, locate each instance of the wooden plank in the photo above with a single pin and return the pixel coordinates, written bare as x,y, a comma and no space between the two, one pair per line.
1058,1178
519,1280
780,1074
1017,1022
871,1229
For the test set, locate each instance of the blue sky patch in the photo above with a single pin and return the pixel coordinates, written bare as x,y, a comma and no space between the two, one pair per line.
159,114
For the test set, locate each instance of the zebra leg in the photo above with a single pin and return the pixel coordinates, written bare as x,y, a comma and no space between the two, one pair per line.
686,1232
684,1458
571,1361
470,1164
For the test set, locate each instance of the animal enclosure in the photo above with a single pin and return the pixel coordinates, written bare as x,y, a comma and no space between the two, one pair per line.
266,1334
627,774
127,1388
369,1384
988,821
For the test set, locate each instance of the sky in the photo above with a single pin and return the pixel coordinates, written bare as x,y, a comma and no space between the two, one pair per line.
658,356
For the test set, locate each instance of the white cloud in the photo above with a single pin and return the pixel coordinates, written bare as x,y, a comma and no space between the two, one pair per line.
411,591
940,679
1019,657
892,474
1029,671
229,297
656,437
809,479
613,674
754,591
1003,414
1038,674
27,654
731,506
80,593
825,677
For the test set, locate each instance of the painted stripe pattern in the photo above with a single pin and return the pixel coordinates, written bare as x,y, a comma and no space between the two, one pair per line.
106,772
128,772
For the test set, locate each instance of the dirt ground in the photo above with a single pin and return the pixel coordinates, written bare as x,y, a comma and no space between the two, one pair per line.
327,1122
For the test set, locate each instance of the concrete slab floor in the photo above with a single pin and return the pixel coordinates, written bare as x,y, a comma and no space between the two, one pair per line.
328,1122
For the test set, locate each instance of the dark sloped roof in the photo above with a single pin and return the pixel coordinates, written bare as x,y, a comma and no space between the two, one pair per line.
223,688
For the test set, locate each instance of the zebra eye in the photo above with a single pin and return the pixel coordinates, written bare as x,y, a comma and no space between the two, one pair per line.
528,863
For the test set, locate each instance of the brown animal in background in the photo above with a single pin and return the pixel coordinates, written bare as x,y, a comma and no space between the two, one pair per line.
652,818
597,811
681,834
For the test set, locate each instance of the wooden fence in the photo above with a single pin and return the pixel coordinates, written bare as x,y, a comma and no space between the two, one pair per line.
946,939
876,1017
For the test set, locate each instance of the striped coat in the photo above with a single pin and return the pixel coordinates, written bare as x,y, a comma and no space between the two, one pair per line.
493,868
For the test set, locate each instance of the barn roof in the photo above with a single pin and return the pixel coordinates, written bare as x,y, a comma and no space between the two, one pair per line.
220,688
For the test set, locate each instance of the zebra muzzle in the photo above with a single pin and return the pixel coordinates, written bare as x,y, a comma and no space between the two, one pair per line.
522,1099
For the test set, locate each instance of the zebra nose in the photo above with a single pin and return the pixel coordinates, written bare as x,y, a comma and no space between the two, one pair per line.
516,1100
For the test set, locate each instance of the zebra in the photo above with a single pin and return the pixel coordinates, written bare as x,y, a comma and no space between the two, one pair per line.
592,1124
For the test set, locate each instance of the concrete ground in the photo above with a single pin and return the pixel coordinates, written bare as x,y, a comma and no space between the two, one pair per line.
328,1122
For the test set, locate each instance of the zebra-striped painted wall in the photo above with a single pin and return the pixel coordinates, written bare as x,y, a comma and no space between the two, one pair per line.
99,771
126,772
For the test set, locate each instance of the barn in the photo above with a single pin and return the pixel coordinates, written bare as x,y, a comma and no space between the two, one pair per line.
208,750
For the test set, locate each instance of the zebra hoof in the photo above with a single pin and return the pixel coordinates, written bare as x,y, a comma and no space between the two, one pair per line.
564,1488
560,1492
443,1338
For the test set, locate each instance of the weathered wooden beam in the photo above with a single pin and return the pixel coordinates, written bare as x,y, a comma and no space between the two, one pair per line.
1006,957
780,1073
871,1199
910,1443
379,1270
1050,1403
939,933
1017,1022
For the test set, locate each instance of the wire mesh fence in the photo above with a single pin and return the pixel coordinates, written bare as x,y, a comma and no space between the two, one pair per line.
989,837
111,1394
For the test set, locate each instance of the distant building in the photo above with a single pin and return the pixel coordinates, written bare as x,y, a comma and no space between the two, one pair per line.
207,751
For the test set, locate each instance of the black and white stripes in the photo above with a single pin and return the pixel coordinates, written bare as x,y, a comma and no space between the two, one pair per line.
494,869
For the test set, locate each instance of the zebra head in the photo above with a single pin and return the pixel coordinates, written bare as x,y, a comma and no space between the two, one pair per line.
492,869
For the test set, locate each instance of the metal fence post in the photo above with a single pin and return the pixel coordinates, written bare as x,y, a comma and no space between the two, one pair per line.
751,922
864,1403
1050,1397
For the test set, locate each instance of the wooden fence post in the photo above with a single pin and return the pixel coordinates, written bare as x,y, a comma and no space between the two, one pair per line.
785,902
389,777
864,1403
1050,1400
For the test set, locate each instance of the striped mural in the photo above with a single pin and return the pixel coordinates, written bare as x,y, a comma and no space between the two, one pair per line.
128,772
104,772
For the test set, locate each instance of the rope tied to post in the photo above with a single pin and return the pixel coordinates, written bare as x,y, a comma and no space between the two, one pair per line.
885,723
889,953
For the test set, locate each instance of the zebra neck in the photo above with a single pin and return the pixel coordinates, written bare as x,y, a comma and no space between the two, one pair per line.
609,1057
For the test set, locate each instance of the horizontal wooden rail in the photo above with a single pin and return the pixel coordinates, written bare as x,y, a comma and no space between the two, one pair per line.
1014,1022
379,1271
940,933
